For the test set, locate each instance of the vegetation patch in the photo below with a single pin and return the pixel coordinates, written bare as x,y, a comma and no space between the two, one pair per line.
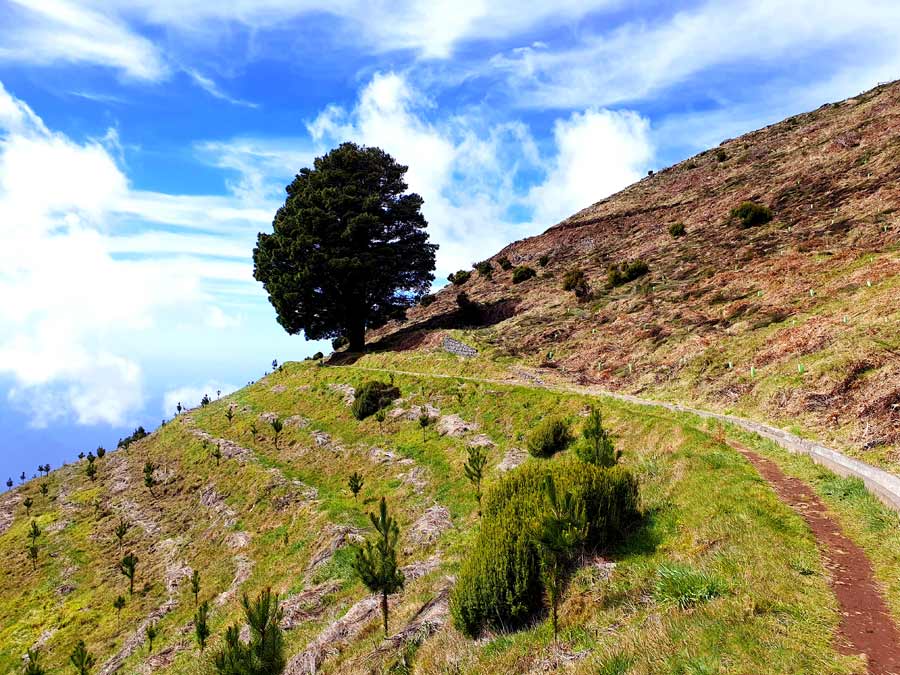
751,214
460,277
522,273
371,397
685,586
622,273
549,437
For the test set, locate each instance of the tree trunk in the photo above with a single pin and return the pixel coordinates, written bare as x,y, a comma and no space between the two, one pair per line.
356,335
384,613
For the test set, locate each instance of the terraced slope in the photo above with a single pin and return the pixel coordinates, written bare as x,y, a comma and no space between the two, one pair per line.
795,321
282,517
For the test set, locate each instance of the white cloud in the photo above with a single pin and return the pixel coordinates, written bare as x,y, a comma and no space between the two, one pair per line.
471,176
210,87
75,293
639,58
45,32
190,395
598,152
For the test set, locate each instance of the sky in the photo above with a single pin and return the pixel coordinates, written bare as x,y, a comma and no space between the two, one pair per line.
145,143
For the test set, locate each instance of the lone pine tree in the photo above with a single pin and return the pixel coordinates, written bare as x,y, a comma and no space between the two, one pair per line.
376,561
349,250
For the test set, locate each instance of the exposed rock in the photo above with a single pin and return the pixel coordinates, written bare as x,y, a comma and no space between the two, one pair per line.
268,417
346,390
65,589
229,449
481,441
382,456
278,389
459,348
298,421
307,604
429,526
238,540
415,412
212,500
513,458
335,537
454,425
321,438
415,478
345,629
243,569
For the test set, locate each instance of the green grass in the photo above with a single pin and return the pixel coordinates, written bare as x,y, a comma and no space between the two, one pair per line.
718,576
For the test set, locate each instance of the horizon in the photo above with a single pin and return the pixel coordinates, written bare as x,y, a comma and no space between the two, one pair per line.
143,148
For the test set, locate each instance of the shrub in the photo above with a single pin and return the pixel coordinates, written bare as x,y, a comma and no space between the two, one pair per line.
596,446
318,356
677,230
427,300
499,583
684,586
339,341
721,155
543,260
574,280
629,271
459,278
549,437
504,263
371,397
484,268
522,273
137,435
749,214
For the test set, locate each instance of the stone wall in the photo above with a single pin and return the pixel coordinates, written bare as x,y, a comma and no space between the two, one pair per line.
458,348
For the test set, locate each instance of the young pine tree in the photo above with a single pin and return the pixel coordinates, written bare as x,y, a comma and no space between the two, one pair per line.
424,421
217,454
33,555
101,451
151,632
119,605
28,502
380,416
376,562
34,532
596,446
33,664
474,470
82,659
264,653
561,529
195,585
201,625
128,566
277,426
149,480
45,489
91,469
229,414
355,483
9,483
121,530
253,429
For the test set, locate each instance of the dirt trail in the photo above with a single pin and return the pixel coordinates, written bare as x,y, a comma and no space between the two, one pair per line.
866,624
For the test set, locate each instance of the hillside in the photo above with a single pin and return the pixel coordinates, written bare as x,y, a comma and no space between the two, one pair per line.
808,301
284,518
742,558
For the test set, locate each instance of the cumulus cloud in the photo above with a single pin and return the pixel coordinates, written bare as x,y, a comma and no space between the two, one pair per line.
74,291
473,177
598,153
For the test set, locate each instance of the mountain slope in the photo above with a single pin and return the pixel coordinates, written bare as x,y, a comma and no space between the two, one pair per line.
282,517
795,321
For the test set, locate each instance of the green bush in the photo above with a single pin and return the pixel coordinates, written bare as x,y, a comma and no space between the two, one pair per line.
596,446
721,155
459,278
484,268
629,271
427,299
549,437
522,273
371,397
499,583
749,214
686,587
574,280
504,263
543,260
338,342
677,230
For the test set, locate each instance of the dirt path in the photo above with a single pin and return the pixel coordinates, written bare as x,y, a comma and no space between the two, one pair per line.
866,624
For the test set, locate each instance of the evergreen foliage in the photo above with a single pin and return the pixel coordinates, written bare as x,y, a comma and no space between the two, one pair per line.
264,653
550,436
355,483
622,273
349,249
128,567
376,561
575,280
81,659
474,470
459,278
33,664
201,625
596,446
749,214
371,397
522,273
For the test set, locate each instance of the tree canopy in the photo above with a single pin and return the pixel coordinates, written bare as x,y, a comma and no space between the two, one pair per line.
349,249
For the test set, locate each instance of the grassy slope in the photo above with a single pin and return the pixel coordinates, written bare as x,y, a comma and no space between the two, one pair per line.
777,614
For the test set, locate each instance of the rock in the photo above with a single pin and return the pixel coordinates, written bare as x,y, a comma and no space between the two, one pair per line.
238,540
348,392
454,425
268,417
382,456
456,347
481,441
513,458
65,589
415,478
297,421
321,438
216,503
416,411
278,389
307,604
429,526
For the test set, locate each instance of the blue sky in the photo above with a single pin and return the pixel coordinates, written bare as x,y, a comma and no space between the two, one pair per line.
145,143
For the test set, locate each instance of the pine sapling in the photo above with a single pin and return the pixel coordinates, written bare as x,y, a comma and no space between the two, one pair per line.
82,659
33,664
277,426
195,585
355,483
201,625
119,604
128,566
229,414
151,631
474,470
28,502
